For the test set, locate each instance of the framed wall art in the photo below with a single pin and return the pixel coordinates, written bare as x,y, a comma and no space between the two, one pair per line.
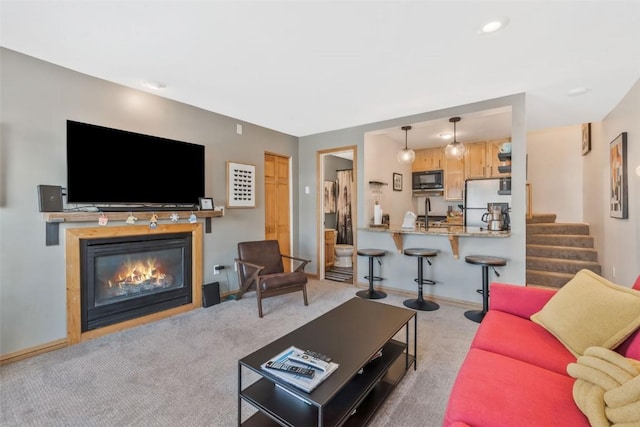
619,193
329,197
241,185
397,181
586,138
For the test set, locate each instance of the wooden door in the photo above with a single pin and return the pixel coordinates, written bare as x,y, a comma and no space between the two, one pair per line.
276,189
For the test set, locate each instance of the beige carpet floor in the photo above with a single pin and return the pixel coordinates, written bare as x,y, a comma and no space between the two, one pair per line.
182,371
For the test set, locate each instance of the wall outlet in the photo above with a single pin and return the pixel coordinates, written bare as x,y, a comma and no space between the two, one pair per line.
216,269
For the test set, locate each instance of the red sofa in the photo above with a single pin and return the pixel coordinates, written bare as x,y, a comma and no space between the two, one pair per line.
515,373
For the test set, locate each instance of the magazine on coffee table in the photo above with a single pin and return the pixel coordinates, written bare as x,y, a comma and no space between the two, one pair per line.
307,384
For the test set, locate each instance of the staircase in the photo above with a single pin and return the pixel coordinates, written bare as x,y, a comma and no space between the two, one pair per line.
557,251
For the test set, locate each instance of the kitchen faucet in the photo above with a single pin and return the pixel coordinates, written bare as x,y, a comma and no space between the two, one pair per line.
427,208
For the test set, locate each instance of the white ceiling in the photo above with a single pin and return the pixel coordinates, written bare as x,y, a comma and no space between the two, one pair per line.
306,67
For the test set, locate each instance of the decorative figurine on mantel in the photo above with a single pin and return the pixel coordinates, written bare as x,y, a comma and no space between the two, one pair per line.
131,219
153,222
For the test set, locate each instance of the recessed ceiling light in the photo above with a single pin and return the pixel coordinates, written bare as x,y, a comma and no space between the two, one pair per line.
494,25
446,135
154,85
577,91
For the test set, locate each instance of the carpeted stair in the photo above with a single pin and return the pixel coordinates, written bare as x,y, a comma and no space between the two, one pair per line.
557,251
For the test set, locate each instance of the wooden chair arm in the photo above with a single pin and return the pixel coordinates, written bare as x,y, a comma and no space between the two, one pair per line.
302,260
250,264
250,280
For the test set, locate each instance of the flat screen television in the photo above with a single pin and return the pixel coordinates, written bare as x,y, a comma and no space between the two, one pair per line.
112,166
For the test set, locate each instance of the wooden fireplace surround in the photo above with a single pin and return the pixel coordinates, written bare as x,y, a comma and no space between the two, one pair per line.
75,235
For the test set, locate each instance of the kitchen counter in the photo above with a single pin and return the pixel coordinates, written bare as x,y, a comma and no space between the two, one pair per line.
453,232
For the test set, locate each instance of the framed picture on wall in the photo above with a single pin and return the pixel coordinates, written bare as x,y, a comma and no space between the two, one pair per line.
329,197
586,138
241,185
619,193
397,181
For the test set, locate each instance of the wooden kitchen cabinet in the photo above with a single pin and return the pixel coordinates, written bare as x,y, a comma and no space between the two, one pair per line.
481,160
493,148
453,179
475,162
429,159
329,248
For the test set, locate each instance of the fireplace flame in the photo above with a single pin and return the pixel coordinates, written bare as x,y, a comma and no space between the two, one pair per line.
140,272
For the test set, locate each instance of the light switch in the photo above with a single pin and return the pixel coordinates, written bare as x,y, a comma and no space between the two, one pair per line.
307,190
239,129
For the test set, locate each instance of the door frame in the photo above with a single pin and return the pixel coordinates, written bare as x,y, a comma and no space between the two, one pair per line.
320,156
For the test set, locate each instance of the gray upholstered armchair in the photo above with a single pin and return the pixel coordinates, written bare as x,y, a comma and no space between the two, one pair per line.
260,268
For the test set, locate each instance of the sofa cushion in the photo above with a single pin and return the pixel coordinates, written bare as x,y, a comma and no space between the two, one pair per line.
522,301
591,311
522,339
282,280
495,390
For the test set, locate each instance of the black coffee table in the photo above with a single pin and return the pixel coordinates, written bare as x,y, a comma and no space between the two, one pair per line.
351,334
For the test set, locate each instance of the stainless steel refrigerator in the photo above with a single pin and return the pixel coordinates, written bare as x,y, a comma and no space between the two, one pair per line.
477,193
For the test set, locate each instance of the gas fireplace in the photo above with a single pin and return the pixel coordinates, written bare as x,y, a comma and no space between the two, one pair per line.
122,278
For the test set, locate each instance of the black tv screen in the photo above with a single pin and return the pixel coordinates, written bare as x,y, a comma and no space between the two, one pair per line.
111,166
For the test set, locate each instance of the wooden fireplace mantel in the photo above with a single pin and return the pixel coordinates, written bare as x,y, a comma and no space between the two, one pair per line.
53,219
75,235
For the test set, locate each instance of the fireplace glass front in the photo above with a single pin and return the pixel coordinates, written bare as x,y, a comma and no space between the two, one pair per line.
128,277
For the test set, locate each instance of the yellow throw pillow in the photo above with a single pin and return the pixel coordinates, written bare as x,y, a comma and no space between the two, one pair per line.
590,311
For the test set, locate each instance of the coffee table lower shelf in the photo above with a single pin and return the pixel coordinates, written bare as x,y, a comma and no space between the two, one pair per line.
364,394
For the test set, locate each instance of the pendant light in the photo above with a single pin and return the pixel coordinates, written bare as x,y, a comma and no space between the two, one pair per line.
455,149
406,155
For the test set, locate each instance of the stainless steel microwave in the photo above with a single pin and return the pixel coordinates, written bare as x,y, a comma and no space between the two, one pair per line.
428,180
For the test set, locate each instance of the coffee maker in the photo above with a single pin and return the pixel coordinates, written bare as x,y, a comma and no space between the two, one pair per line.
497,217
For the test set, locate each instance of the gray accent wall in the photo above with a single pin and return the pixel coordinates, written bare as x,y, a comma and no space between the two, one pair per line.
36,100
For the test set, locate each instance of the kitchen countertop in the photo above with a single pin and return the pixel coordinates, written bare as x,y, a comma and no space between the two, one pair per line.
453,232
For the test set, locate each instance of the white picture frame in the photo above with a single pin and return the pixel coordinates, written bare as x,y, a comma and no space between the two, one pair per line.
241,185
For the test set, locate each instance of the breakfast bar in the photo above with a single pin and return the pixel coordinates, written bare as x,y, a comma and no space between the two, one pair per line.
455,279
451,232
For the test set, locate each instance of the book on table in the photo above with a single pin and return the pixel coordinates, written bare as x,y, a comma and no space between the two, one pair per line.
294,356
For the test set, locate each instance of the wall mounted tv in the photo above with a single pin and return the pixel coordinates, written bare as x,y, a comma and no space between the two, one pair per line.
111,166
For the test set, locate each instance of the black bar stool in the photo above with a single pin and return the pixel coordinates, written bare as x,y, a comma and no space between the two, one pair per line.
371,293
485,262
420,303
